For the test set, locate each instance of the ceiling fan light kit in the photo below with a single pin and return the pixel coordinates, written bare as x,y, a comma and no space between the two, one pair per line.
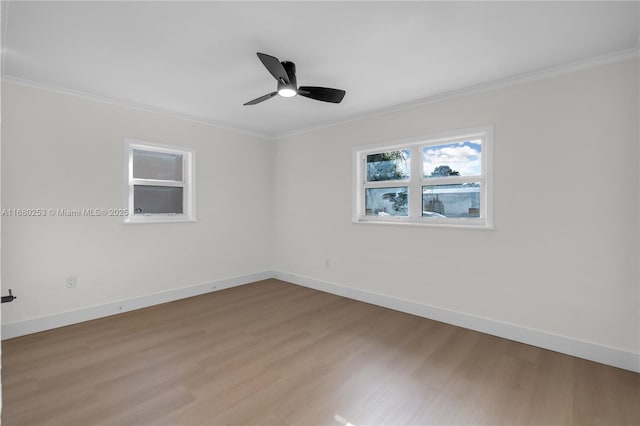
285,74
290,89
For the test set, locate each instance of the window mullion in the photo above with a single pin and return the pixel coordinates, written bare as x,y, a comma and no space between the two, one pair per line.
386,184
415,186
155,182
448,180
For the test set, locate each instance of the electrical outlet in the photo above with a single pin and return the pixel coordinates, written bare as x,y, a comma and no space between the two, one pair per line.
327,262
72,281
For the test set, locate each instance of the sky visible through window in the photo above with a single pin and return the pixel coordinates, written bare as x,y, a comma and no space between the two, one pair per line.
462,157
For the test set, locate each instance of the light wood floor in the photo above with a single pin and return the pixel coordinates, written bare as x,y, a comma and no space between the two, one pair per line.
275,353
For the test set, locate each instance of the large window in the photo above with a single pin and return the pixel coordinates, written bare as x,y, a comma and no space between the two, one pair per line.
443,180
160,186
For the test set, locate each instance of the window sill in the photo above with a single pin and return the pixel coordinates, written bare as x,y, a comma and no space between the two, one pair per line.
481,227
145,220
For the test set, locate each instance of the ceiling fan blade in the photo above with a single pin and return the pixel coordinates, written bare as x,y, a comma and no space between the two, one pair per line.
324,94
274,66
262,98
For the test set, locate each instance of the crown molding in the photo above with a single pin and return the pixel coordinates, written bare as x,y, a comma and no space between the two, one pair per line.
440,97
132,105
619,56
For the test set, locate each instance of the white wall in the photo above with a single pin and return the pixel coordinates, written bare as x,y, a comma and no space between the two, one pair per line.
563,258
60,151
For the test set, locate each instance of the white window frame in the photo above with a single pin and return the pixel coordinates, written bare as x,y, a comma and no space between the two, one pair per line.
417,180
188,183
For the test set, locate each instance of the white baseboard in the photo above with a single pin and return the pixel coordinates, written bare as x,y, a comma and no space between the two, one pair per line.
35,325
567,345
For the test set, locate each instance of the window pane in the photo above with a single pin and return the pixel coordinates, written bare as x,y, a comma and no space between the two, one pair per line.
460,200
157,199
453,159
157,165
387,201
393,165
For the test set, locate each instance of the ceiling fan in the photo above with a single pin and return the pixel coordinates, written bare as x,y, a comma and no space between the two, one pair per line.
285,73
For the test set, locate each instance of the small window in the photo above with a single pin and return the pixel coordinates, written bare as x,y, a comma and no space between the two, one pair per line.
429,181
160,184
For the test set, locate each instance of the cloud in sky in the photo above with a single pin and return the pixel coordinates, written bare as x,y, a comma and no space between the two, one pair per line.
465,157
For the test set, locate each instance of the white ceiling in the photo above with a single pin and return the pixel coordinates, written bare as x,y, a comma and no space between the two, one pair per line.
198,59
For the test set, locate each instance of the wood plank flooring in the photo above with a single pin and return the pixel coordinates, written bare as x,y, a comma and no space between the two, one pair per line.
274,353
